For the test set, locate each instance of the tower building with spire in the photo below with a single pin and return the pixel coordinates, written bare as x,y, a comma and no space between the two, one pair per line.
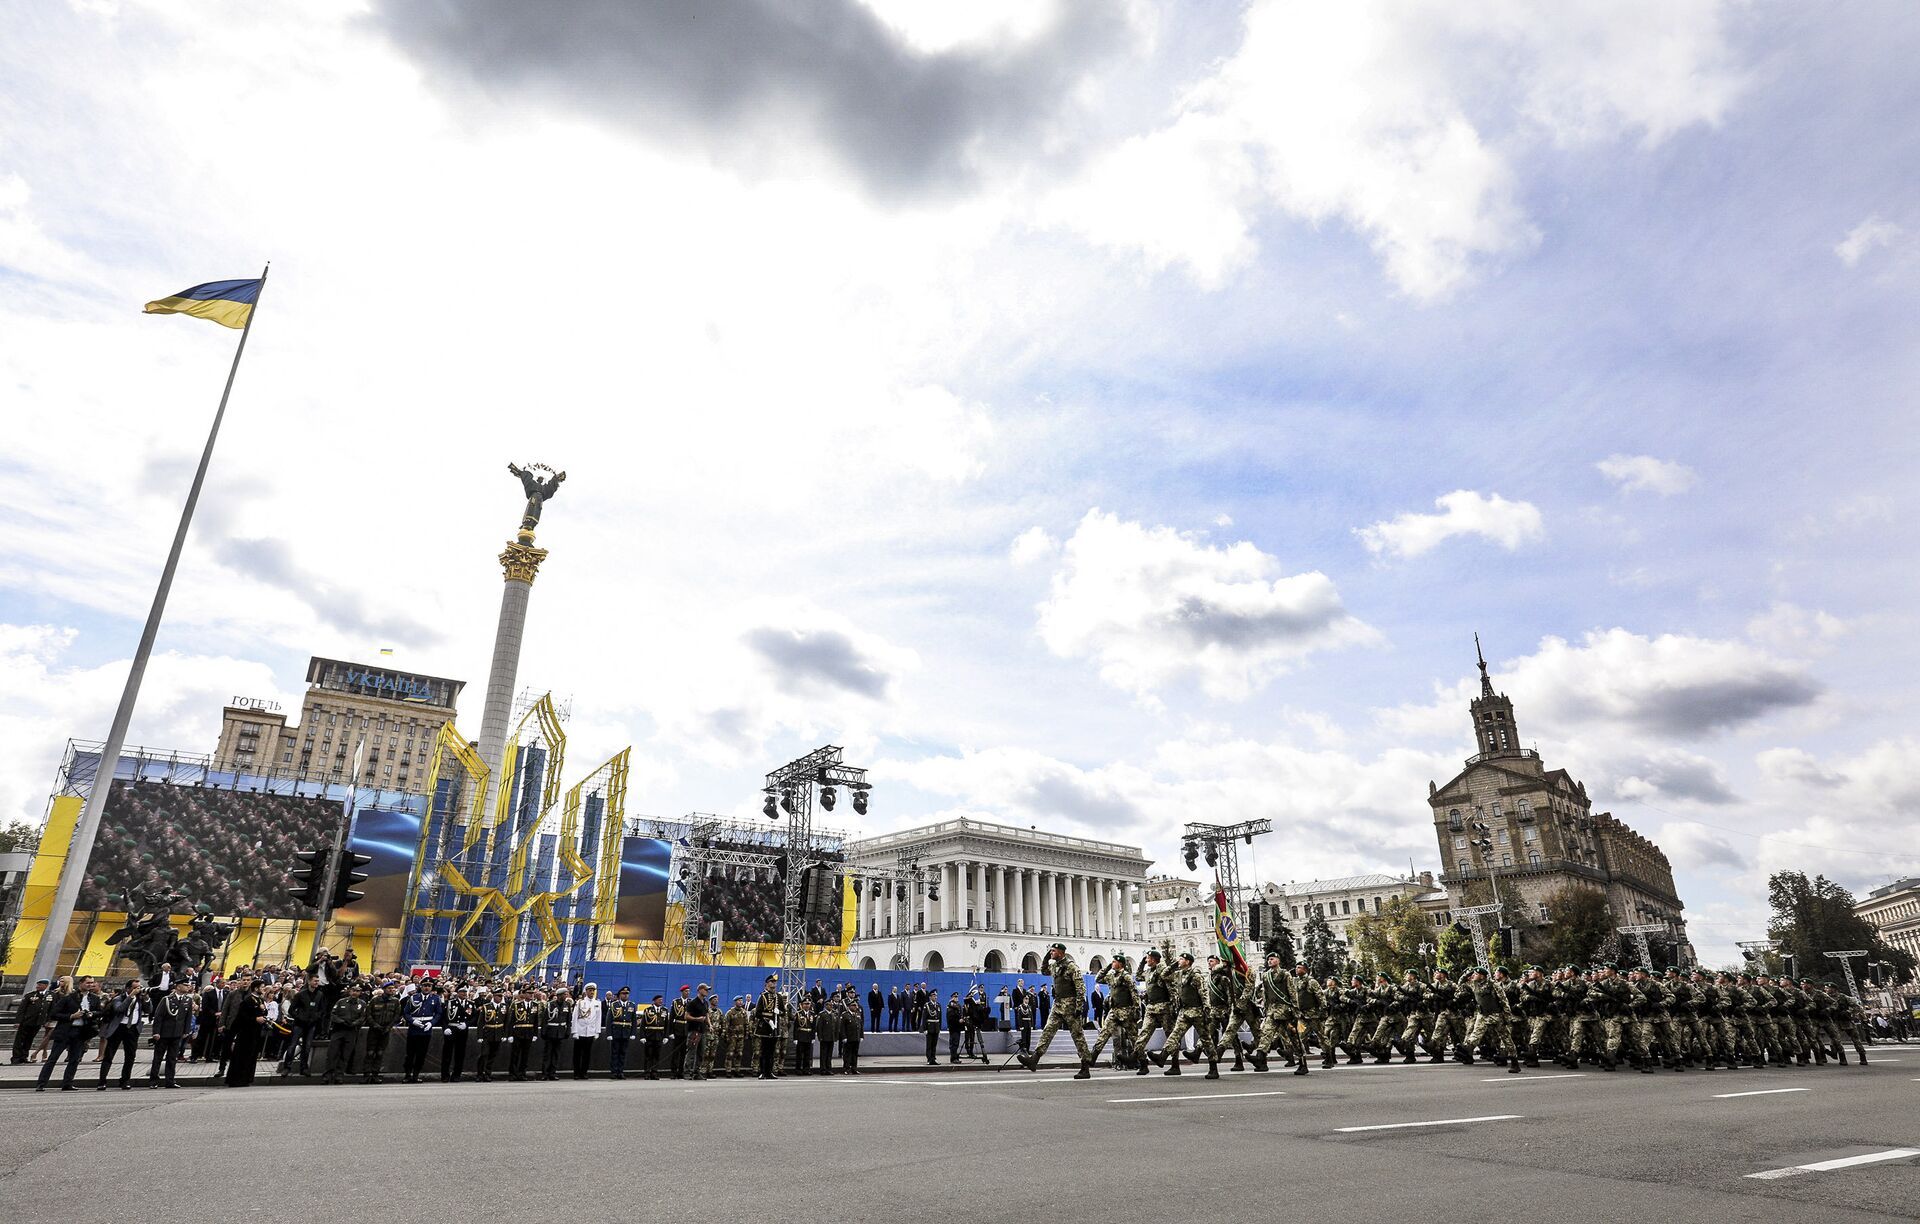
1525,832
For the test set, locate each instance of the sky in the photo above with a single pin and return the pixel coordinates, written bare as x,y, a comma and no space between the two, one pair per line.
1094,417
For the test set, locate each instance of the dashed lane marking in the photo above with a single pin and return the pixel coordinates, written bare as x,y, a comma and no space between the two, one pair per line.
1189,1096
936,1081
1723,1096
1845,1162
1347,1130
1531,1079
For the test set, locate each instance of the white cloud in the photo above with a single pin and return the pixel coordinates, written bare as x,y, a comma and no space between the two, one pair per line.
1152,605
1462,512
1033,544
1645,474
1405,124
1793,629
1865,238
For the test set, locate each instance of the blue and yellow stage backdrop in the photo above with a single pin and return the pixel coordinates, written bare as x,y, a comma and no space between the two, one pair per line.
390,837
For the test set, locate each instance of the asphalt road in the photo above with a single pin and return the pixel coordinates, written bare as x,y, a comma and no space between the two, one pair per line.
1423,1142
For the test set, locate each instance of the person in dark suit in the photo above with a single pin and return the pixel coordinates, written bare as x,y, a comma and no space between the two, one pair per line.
126,1012
172,1021
1045,1005
237,992
929,1022
956,1025
819,996
894,1001
27,1019
246,1033
207,1040
76,1017
875,1002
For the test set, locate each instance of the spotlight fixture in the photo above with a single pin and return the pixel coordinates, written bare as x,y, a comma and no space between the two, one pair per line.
786,802
860,798
828,798
1249,839
768,809
900,893
933,892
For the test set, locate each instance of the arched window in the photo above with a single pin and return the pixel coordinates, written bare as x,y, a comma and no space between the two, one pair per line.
1030,963
935,963
866,962
995,962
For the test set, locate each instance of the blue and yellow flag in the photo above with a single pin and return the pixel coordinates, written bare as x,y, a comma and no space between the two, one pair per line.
228,303
1226,932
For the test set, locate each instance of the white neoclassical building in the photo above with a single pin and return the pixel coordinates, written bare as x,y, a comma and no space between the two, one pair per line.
1004,895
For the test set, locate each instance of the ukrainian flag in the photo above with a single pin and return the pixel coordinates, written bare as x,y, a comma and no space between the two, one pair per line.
228,303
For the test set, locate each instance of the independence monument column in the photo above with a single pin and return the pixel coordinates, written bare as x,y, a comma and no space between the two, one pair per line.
521,561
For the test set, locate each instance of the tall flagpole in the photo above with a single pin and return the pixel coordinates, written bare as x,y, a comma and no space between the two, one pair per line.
54,937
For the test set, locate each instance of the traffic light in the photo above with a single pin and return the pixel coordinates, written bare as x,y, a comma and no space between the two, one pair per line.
346,874
309,875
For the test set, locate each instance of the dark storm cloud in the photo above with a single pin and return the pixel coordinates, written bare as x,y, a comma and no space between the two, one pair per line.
823,656
1209,624
1717,703
746,79
272,562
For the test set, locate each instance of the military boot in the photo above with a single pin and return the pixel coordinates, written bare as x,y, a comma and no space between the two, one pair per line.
1259,1060
1085,1071
1030,1061
1239,1064
1173,1067
1300,1068
1145,1067
1213,1068
1513,1066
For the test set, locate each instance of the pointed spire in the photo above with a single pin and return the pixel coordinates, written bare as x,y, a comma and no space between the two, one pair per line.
1486,684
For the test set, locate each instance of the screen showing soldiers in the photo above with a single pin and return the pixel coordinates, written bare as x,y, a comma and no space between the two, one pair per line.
228,850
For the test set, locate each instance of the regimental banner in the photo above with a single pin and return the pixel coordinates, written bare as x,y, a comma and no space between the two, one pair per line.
642,910
390,838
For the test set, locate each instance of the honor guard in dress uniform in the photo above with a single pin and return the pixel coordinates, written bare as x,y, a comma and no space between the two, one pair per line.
803,1037
453,1046
826,1031
677,1032
1123,1012
348,1018
769,1017
1023,1021
490,1017
524,1017
1069,1011
556,1033
384,1013
621,1025
653,1036
424,1013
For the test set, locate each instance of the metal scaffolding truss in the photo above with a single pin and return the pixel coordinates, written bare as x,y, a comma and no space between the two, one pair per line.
793,786
911,879
1225,840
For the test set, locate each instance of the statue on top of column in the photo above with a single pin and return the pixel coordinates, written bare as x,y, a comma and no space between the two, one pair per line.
539,491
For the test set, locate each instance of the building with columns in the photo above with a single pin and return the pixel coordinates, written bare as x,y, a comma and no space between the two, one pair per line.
1000,896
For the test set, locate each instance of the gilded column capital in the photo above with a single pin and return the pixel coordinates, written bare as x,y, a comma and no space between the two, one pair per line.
521,561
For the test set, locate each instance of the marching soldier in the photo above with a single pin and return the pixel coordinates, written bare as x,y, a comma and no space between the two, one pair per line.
1536,1007
1123,1012
384,1014
1416,1005
1280,1019
622,1023
1333,1033
1448,1030
1309,1007
1224,1010
1492,1019
1845,1015
1190,1012
490,1017
1366,1017
1069,1008
1391,1020
1676,1020
1158,1002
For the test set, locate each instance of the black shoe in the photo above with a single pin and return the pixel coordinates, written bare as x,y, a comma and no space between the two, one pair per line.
1085,1071
1145,1069
1213,1069
1300,1068
1513,1067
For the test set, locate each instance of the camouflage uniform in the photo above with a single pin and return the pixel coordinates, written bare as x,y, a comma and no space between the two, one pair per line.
1069,1010
1416,1004
1190,1012
1388,1007
1447,1027
1333,1031
1584,1031
1492,1019
1646,1004
1843,1022
1158,1002
1309,1006
1536,1005
1366,1016
1676,1025
1123,1013
1282,1026
739,1038
1223,1010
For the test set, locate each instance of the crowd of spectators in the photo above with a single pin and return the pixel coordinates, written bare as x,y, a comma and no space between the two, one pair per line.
230,850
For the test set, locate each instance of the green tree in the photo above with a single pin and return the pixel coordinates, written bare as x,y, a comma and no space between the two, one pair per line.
1319,948
1456,950
1581,923
1390,937
19,835
1814,917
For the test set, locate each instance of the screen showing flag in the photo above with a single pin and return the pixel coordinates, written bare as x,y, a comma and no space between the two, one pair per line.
642,909
391,838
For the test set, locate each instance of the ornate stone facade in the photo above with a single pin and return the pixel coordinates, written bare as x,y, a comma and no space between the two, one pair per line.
1004,895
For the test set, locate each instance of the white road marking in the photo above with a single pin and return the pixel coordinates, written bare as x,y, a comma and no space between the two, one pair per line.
1824,1166
1722,1096
1189,1096
938,1081
1531,1079
1343,1130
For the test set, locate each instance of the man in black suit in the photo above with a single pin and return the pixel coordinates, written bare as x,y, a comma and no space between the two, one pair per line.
1045,1004
875,1002
172,1020
819,995
27,1020
956,1025
76,1018
120,1031
893,1010
209,1043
